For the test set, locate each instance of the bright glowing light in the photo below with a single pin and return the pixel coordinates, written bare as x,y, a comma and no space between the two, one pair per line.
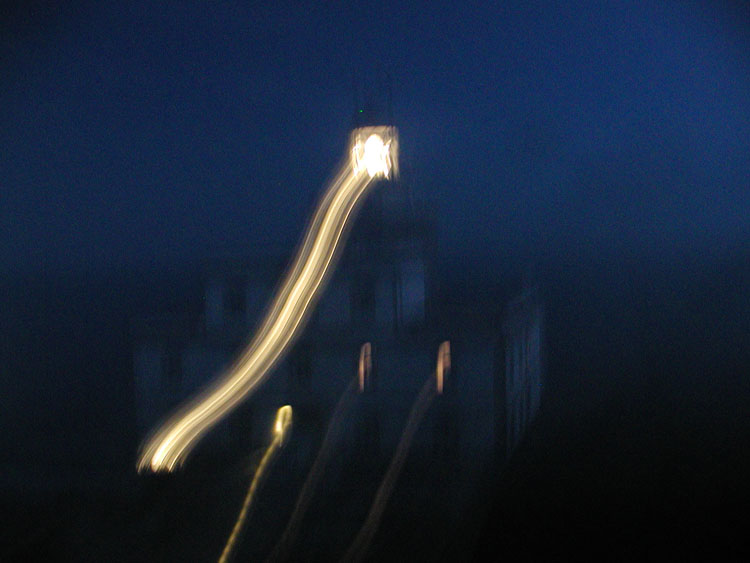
443,365
373,154
168,446
282,427
376,156
283,424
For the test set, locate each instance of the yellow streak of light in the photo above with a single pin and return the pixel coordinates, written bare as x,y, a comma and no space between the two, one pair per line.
168,446
361,543
282,427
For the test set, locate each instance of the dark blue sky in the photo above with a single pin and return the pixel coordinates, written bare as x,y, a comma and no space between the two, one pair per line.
143,133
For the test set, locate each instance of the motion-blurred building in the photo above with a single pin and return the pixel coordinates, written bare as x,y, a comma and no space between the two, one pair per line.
387,291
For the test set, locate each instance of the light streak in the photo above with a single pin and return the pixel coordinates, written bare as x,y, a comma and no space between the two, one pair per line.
171,442
443,365
361,543
364,367
282,428
373,155
332,437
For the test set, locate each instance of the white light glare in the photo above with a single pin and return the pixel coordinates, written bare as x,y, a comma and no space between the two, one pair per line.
283,423
374,156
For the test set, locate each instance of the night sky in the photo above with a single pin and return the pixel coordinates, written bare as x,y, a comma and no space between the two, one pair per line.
605,142
136,133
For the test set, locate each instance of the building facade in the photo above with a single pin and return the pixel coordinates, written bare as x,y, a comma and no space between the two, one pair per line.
386,293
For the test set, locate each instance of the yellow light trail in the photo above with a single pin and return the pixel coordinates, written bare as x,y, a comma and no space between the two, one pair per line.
282,427
373,153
